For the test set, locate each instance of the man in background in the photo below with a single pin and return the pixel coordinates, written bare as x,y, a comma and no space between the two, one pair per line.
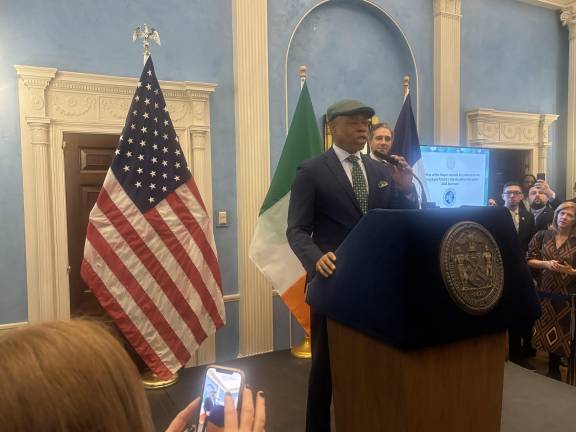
380,140
543,202
519,339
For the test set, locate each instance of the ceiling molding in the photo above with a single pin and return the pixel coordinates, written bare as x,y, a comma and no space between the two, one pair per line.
550,4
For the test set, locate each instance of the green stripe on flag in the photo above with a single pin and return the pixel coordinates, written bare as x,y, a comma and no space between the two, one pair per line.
303,142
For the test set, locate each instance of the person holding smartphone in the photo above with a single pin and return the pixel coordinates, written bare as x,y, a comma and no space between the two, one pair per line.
74,376
553,251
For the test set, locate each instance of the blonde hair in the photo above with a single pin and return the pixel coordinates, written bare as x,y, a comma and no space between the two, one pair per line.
565,205
70,376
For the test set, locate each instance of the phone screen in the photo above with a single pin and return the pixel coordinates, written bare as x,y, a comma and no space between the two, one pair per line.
540,176
218,381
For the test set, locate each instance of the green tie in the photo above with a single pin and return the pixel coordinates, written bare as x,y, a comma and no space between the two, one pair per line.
359,183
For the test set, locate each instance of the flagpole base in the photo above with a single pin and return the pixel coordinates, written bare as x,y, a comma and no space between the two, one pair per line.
304,350
151,381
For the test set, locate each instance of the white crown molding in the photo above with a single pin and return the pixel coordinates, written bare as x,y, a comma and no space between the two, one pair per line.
54,102
512,130
549,4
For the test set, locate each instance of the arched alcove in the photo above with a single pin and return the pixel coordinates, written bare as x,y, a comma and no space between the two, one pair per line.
351,50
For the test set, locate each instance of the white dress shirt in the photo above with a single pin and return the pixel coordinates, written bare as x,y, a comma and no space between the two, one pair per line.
347,165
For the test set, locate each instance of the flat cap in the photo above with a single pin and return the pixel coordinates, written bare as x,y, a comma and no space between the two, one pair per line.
348,107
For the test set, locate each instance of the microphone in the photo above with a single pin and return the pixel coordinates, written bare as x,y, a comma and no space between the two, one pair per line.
385,157
394,162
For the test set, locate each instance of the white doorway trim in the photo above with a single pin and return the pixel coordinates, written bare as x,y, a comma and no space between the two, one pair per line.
489,128
54,102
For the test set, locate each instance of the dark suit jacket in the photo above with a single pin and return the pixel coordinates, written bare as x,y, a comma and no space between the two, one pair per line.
323,208
544,219
526,228
208,404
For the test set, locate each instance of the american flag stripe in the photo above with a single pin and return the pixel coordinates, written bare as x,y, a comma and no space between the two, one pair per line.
187,216
116,271
183,258
151,263
180,270
142,288
132,332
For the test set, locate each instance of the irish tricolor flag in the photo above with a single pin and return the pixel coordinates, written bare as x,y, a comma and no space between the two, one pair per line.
269,249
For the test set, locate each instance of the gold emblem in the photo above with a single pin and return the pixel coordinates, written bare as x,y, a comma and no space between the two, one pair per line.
382,184
472,268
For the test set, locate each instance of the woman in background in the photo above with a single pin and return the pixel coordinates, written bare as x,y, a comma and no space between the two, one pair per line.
553,251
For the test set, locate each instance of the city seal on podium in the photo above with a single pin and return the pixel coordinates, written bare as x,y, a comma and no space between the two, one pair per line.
472,267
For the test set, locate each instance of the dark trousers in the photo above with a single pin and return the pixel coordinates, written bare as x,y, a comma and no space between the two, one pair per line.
320,381
519,342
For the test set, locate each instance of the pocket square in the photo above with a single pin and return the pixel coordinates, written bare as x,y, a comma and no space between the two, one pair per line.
382,184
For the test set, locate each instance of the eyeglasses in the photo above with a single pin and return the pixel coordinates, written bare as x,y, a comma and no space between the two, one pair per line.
512,193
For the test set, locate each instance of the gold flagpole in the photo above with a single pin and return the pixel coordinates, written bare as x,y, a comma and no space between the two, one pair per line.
304,349
149,379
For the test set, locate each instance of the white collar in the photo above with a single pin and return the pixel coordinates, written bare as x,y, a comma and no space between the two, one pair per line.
343,154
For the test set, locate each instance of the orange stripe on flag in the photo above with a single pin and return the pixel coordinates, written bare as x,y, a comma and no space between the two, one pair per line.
294,297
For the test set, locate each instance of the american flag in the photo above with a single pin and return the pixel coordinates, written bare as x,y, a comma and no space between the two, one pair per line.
150,256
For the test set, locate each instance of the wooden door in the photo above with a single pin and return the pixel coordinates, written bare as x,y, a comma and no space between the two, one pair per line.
87,158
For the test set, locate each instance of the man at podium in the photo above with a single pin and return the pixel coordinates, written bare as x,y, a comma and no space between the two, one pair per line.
330,194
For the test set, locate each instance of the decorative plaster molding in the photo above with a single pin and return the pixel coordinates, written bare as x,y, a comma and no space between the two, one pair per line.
568,18
448,7
549,4
252,166
53,103
512,130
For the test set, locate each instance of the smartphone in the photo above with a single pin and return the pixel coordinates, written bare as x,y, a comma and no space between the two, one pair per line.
218,381
540,176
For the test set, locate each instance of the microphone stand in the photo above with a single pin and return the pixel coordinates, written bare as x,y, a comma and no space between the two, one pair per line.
425,204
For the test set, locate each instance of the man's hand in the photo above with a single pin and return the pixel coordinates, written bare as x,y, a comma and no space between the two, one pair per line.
325,265
402,174
545,188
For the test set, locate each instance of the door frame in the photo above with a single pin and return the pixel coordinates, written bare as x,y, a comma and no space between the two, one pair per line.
54,102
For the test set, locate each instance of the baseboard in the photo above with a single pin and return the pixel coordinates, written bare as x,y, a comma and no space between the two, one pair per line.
11,326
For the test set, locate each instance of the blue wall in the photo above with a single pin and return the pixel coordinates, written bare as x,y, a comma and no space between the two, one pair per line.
88,36
515,58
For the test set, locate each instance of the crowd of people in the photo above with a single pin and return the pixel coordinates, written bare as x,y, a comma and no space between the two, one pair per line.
545,228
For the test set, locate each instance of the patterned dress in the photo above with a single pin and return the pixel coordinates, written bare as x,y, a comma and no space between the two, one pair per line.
552,330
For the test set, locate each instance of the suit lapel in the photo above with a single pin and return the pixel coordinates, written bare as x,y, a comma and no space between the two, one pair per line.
337,169
372,179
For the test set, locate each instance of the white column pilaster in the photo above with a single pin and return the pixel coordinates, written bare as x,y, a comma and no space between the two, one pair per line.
40,140
447,17
568,18
252,166
35,126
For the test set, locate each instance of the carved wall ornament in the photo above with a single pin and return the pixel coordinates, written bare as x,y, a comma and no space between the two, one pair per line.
511,130
39,132
177,110
115,108
448,7
73,105
199,109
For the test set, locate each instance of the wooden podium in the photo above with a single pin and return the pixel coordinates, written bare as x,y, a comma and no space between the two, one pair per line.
455,387
405,354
